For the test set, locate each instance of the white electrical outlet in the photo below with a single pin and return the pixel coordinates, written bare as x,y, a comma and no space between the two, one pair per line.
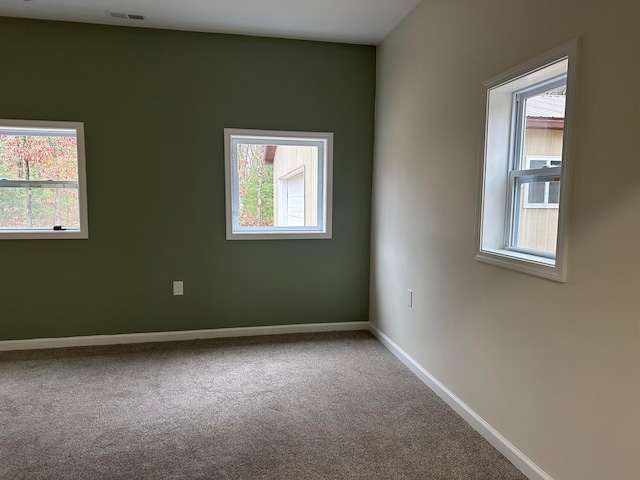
409,298
178,287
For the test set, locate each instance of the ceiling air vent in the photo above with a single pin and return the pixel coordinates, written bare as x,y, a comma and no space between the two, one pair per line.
126,16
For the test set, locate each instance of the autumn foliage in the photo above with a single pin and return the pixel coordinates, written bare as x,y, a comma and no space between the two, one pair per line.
38,158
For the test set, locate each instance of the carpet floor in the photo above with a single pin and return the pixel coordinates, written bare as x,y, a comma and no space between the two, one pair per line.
304,406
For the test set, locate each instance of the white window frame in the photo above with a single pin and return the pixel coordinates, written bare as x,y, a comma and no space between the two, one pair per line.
547,159
59,128
324,142
498,170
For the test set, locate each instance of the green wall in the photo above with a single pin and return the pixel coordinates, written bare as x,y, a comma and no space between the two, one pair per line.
154,104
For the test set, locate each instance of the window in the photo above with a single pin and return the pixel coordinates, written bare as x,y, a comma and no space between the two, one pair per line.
278,184
542,194
523,214
42,180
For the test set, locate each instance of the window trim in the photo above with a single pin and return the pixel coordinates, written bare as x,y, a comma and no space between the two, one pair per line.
325,185
50,128
492,232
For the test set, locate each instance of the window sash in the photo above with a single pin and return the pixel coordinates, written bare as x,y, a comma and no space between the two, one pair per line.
520,119
517,178
38,132
268,140
544,174
519,175
44,130
38,183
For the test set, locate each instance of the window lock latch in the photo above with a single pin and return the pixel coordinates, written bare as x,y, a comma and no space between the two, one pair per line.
58,228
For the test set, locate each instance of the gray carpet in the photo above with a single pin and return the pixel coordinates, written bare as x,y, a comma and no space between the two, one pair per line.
310,406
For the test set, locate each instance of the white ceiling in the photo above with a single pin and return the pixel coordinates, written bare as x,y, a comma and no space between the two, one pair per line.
350,21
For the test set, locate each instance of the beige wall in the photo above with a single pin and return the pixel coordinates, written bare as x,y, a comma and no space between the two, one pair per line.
555,368
292,157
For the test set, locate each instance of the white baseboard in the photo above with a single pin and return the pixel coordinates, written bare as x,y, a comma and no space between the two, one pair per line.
84,341
515,456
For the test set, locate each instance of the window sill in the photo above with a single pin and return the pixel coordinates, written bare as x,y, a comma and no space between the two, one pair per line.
35,234
289,235
522,262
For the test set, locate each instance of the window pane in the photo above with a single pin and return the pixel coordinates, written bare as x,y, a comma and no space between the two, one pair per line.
38,157
544,124
554,192
536,192
277,185
537,163
255,186
39,207
535,228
